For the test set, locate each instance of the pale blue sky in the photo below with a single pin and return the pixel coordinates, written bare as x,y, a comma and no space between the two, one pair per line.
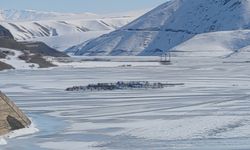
95,6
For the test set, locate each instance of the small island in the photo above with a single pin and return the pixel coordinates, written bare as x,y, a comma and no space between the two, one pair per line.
122,85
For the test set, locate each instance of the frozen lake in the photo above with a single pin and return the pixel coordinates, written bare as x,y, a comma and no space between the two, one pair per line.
210,112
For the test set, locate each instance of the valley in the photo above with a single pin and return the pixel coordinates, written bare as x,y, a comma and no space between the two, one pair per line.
173,78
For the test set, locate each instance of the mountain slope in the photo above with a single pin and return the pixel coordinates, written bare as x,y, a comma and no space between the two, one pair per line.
4,33
221,43
21,55
33,29
27,53
61,30
33,15
170,25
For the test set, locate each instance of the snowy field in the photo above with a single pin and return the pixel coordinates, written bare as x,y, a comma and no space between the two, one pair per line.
210,112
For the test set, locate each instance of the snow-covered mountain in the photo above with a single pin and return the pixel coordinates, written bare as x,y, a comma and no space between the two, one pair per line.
33,15
60,30
173,23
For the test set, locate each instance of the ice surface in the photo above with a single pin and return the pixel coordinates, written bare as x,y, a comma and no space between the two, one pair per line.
3,141
210,112
69,145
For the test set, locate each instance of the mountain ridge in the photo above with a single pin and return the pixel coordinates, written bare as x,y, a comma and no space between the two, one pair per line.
53,27
34,15
169,25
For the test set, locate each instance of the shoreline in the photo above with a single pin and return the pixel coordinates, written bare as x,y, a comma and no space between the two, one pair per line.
18,133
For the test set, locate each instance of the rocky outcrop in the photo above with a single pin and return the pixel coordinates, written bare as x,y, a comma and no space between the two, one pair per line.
42,49
11,117
4,66
4,33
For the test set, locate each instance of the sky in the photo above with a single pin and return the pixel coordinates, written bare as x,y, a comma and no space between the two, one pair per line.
94,6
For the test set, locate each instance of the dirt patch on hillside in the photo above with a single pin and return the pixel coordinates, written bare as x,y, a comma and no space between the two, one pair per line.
4,66
36,59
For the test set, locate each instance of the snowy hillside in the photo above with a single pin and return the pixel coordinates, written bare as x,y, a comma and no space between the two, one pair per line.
12,59
222,43
171,24
33,15
60,30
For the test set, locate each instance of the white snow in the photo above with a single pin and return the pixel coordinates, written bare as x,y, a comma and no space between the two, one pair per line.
221,43
171,24
22,132
3,141
91,62
63,42
210,111
18,133
33,15
176,129
61,30
17,63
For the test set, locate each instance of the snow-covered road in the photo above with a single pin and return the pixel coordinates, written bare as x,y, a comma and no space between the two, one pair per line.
211,111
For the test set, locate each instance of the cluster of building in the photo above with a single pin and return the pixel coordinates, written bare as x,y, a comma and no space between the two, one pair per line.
120,85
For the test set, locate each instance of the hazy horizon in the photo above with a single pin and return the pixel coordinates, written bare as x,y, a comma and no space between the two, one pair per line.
80,6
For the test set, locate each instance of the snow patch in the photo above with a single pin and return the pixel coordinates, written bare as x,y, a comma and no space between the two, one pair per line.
3,141
14,61
18,133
